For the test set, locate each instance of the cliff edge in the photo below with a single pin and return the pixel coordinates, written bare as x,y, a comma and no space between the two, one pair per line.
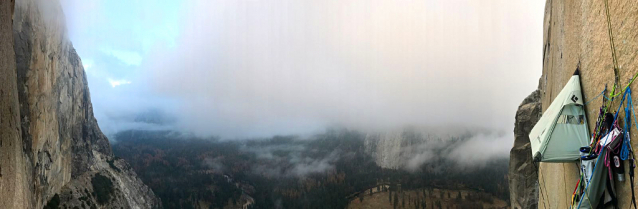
52,149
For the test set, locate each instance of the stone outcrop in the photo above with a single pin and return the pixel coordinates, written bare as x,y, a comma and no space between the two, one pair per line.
523,176
576,34
128,189
53,143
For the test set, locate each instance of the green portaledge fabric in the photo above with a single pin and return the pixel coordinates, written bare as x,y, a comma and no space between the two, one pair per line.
565,139
562,129
596,186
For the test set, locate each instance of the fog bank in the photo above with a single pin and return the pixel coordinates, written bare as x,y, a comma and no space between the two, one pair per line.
238,69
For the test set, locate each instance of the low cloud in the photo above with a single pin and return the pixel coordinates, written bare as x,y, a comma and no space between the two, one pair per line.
467,149
241,69
418,159
215,163
480,149
309,165
290,161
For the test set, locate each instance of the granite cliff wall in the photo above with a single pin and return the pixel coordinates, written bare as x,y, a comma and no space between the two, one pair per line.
576,33
400,149
52,143
15,188
389,150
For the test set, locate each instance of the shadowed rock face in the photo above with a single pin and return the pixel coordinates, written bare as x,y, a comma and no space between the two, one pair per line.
55,144
14,179
523,176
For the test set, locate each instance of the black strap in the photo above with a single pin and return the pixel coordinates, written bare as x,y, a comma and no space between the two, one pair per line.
611,192
631,178
601,204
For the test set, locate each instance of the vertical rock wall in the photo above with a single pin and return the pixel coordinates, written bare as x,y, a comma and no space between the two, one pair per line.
576,32
15,189
50,142
43,63
388,149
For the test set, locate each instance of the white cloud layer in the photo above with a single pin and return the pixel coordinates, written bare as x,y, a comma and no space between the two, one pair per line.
256,68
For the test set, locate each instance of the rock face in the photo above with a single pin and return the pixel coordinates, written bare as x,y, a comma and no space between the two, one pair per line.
389,149
410,147
58,144
398,149
128,189
576,33
14,177
523,176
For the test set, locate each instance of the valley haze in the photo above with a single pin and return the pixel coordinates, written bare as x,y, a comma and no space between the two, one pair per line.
256,69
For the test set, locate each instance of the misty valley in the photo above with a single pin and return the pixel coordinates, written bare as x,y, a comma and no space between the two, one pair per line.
338,168
313,104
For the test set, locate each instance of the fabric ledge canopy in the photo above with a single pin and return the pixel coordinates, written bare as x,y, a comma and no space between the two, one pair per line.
562,129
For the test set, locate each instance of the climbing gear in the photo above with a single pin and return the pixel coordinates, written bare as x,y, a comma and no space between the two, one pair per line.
602,162
596,97
611,148
626,151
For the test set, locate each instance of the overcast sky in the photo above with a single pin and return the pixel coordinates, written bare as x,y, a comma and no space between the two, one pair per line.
252,68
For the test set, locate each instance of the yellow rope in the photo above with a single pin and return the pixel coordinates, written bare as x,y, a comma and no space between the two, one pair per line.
627,86
611,41
612,94
613,54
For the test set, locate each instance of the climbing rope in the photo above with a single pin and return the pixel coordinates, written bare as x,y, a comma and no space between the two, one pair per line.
613,94
613,47
591,100
626,146
626,151
542,182
627,86
588,182
633,112
600,123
